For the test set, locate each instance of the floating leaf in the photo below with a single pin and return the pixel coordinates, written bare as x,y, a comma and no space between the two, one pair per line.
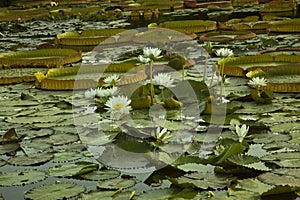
194,167
256,150
66,157
117,183
21,177
63,138
75,169
204,180
55,191
162,194
279,180
253,185
101,175
32,159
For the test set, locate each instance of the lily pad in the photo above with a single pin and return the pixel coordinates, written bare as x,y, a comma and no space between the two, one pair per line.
55,191
75,169
253,185
203,181
101,175
33,159
21,177
39,58
66,157
225,36
19,75
117,183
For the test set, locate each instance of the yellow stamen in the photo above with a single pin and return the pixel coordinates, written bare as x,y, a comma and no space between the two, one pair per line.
118,106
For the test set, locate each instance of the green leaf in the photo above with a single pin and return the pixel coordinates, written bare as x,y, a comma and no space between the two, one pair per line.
101,175
55,191
279,179
256,150
75,169
203,180
32,159
226,153
21,177
253,185
194,167
117,183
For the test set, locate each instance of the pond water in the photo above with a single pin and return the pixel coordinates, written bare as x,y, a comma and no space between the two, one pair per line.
45,120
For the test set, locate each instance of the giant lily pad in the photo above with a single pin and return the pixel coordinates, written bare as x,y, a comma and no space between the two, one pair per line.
190,26
39,58
239,66
19,75
225,36
82,77
94,37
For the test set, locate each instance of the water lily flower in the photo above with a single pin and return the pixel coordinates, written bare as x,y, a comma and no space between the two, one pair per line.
89,109
168,53
224,52
89,94
111,80
142,59
118,106
106,92
208,47
53,3
163,80
223,100
258,82
61,12
151,53
241,131
162,135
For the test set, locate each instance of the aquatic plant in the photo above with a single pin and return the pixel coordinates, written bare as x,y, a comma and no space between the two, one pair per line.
149,54
241,131
117,106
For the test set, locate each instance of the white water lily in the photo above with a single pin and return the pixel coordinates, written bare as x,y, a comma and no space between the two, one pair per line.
111,80
89,94
163,80
118,106
162,135
143,59
241,131
151,53
106,92
223,100
224,52
257,82
89,109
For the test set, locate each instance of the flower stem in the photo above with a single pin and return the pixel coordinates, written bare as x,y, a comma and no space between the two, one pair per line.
182,73
151,82
162,95
205,67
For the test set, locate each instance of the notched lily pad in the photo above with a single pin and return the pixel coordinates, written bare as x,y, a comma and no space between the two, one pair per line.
74,169
101,175
55,191
21,177
33,159
117,183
